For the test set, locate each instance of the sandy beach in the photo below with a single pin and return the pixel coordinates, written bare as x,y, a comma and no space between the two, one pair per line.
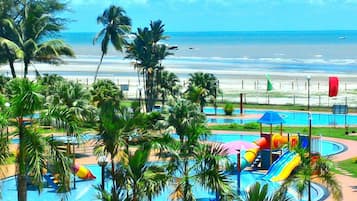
288,87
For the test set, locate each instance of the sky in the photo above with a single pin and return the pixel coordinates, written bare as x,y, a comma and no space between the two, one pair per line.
221,15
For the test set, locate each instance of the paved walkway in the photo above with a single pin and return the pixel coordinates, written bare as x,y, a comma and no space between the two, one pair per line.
348,183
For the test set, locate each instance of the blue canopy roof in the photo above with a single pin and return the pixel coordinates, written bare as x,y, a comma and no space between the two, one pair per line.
271,117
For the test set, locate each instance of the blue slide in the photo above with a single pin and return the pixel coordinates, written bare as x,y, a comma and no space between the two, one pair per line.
280,165
50,181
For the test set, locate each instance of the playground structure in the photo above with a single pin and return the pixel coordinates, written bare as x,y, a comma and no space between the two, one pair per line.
79,170
269,151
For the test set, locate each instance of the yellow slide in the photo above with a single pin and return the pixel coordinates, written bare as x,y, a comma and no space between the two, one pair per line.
288,168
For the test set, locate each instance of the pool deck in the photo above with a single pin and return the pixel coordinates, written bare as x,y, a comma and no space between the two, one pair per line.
348,183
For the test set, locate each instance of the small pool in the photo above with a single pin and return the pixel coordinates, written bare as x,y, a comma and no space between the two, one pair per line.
290,117
85,189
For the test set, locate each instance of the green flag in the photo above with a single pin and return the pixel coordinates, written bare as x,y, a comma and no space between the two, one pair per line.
269,84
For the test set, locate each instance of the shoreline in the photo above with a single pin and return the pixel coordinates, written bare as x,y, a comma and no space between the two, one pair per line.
288,87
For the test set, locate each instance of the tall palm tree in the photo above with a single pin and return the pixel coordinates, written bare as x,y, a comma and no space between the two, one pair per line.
8,50
321,169
116,26
148,53
207,85
36,21
192,161
25,99
168,85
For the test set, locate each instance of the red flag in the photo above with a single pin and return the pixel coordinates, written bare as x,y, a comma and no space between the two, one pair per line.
333,86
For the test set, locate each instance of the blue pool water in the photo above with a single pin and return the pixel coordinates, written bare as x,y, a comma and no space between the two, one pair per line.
290,117
85,189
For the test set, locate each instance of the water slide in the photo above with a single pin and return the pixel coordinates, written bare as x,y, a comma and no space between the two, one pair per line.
262,143
251,154
283,167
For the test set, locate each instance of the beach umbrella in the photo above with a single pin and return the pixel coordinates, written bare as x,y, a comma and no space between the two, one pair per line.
232,147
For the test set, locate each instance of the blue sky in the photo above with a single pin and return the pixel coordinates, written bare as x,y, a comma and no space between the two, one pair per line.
222,15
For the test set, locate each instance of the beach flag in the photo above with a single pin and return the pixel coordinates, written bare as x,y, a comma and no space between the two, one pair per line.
333,86
269,84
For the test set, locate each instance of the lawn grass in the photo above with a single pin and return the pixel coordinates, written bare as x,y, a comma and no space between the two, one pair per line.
349,165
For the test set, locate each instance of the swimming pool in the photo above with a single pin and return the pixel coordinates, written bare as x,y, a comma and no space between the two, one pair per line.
290,117
85,189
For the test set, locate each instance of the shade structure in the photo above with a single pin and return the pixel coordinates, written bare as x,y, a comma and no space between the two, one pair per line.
232,147
271,117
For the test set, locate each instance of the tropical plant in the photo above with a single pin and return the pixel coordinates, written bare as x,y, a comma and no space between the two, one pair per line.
320,169
25,35
69,104
168,85
48,81
148,53
191,161
260,193
25,98
141,179
118,127
182,114
116,27
202,86
106,92
228,108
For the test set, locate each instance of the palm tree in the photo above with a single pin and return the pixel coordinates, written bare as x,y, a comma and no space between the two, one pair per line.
106,92
321,169
192,161
168,83
69,105
182,115
204,86
116,26
142,180
148,54
25,99
26,34
8,50
260,193
48,81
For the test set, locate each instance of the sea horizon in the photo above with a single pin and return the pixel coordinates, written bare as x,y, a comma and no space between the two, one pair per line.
330,51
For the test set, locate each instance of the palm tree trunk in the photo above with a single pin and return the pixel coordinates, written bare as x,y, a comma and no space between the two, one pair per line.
12,69
113,170
21,179
100,63
26,63
11,62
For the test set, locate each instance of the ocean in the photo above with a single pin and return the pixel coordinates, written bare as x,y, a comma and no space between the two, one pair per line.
331,52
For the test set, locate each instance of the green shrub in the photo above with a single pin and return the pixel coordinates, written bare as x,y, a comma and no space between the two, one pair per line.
354,160
233,125
251,125
228,108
